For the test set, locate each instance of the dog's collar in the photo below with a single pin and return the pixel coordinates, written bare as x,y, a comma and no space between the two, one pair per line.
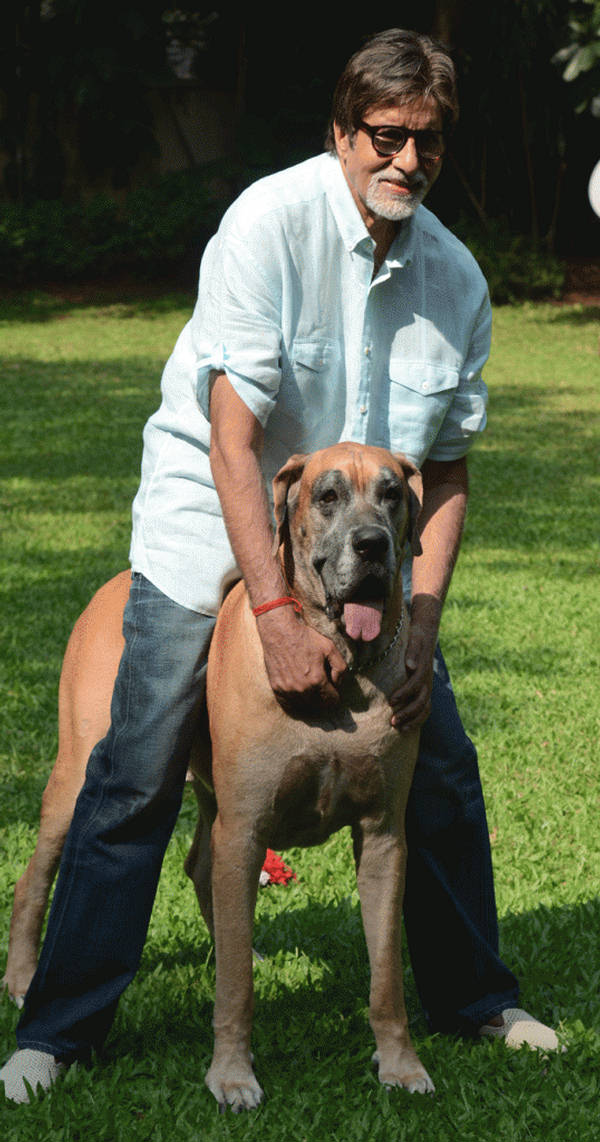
383,654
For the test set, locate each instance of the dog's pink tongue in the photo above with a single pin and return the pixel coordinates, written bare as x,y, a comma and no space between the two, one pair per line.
363,620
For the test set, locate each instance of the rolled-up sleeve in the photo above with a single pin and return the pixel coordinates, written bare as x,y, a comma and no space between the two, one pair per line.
466,417
239,328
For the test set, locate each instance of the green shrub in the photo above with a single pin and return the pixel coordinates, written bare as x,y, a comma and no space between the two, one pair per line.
516,267
154,227
51,239
164,220
169,220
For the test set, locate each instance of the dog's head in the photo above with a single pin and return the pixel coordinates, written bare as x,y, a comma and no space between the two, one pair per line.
344,515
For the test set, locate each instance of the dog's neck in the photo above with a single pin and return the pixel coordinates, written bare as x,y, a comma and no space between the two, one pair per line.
366,657
360,656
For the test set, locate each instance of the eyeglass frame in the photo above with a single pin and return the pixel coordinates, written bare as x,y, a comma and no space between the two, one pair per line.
372,131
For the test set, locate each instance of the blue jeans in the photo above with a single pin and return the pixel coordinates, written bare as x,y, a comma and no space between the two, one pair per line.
125,815
121,826
449,902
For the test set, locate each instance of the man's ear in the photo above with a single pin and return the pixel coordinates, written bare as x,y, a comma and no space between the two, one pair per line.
415,500
285,485
343,141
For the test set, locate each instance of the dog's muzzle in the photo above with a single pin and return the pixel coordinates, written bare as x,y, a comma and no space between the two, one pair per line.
363,578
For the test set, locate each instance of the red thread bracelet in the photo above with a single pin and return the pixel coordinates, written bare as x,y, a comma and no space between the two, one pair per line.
283,602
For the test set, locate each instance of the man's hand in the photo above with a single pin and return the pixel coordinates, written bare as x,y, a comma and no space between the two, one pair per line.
303,667
411,702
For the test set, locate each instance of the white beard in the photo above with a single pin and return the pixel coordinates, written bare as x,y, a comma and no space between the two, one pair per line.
384,204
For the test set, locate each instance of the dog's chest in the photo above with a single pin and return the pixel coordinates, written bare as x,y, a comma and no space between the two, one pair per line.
338,772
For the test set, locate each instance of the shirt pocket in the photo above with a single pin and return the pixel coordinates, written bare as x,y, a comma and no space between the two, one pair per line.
311,398
312,356
421,393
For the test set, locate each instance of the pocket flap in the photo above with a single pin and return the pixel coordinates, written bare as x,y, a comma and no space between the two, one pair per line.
423,377
313,355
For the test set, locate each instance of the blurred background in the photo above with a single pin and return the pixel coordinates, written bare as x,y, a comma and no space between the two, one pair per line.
127,126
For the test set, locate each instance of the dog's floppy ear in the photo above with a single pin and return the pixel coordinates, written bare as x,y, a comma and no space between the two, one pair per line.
415,499
283,485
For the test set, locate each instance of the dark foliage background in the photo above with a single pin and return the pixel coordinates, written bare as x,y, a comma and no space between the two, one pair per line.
75,77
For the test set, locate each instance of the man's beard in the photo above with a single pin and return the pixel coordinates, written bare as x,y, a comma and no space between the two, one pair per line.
385,204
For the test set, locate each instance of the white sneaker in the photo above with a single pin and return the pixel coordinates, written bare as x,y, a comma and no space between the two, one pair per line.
38,1068
522,1029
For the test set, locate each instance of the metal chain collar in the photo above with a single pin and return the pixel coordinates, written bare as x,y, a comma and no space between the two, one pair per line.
384,653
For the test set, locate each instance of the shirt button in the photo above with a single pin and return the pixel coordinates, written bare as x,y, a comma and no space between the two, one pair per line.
363,409
425,385
367,350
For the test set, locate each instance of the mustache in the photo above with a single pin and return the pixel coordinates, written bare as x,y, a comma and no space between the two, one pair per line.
417,182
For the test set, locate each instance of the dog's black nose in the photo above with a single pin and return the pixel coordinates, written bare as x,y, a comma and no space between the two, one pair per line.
370,542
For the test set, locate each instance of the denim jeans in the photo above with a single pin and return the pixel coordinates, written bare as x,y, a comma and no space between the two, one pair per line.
449,903
125,815
122,823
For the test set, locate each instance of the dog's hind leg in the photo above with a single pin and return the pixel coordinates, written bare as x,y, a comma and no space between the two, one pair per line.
198,861
86,683
33,887
380,865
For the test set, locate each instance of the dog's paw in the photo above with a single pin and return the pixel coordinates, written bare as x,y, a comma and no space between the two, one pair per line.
14,992
405,1071
20,970
235,1087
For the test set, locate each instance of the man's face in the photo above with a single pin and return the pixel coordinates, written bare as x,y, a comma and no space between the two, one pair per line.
391,187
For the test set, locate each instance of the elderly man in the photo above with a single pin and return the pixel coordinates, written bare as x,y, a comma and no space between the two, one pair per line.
331,306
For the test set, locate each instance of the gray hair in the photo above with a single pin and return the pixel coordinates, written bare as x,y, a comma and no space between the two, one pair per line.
393,67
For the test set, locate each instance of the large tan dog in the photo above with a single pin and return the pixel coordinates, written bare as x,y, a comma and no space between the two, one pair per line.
280,779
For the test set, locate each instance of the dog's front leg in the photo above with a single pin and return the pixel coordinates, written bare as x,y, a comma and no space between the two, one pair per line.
236,864
380,868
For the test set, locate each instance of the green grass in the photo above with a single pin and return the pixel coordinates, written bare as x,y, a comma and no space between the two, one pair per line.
521,638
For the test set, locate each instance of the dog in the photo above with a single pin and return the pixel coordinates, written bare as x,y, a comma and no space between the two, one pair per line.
275,777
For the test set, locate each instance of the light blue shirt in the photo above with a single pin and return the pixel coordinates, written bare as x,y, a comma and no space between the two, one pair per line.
318,349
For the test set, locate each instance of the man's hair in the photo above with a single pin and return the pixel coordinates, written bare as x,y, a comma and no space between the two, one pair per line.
393,67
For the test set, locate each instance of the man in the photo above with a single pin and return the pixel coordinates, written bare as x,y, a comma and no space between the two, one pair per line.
331,306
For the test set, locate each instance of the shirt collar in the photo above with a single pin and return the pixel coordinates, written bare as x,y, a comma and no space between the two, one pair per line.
351,226
349,222
402,250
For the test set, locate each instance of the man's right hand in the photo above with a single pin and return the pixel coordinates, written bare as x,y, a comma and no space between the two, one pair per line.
303,667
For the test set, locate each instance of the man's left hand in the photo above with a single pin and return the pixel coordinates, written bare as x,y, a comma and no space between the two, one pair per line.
411,702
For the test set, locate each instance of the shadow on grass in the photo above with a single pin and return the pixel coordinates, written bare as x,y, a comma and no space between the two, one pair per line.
319,1017
552,951
132,298
311,1037
576,315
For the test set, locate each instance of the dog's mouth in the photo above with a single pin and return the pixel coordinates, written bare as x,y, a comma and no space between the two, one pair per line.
362,613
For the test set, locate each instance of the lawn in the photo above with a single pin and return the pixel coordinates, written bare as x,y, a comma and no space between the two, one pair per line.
520,635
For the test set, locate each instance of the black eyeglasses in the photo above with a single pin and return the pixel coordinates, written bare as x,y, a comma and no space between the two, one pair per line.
389,141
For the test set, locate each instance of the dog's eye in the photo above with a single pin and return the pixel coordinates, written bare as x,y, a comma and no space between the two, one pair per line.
392,494
328,497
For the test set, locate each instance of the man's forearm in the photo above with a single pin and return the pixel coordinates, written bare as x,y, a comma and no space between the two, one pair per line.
236,446
302,665
445,493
